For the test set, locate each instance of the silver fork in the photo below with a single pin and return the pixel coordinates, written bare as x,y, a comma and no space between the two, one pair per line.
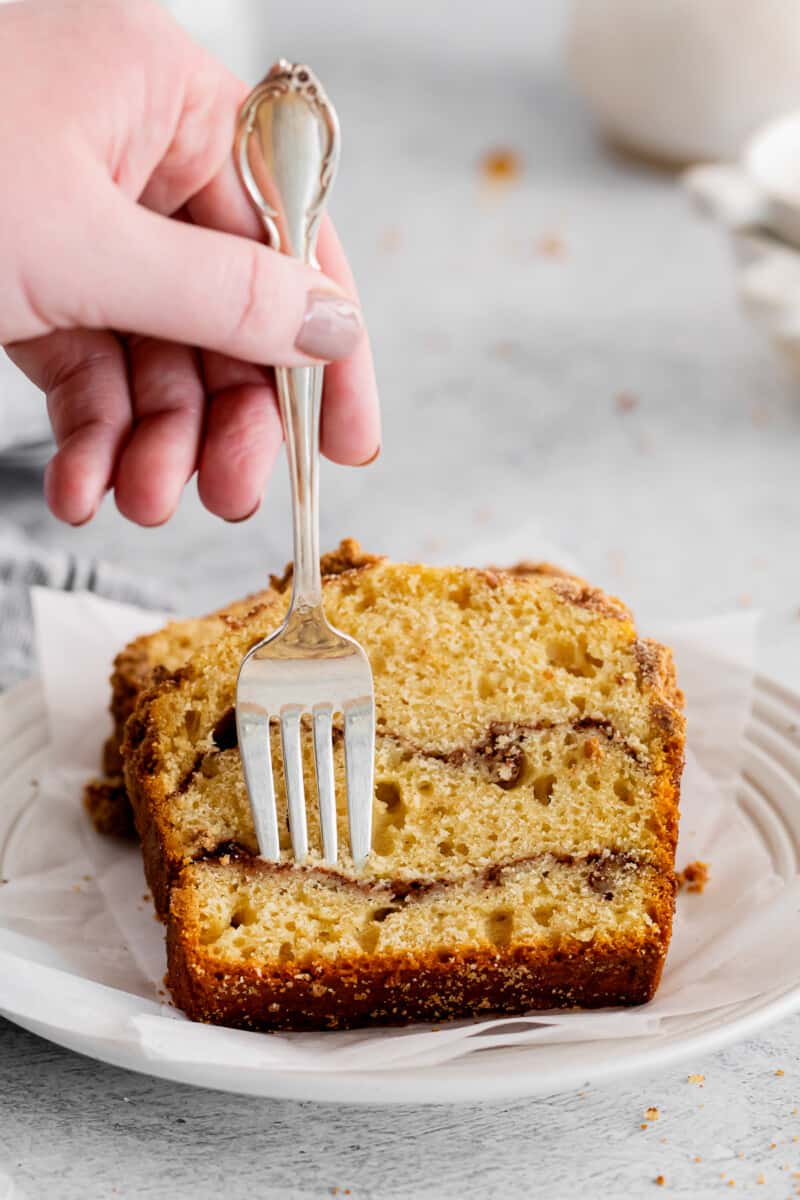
287,149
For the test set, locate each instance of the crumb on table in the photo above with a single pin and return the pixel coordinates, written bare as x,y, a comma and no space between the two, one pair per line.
391,240
626,402
551,245
501,165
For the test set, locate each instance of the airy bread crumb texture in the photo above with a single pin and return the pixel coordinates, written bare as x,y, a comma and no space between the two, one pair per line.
298,915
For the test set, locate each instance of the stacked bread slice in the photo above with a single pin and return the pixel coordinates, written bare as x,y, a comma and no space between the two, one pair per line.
144,662
528,760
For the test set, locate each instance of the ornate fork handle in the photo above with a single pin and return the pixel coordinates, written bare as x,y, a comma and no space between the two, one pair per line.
287,152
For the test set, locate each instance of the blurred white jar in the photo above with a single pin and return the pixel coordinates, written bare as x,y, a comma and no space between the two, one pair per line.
684,80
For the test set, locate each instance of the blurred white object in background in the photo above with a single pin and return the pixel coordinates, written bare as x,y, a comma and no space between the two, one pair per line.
685,80
772,164
235,31
249,34
763,188
758,201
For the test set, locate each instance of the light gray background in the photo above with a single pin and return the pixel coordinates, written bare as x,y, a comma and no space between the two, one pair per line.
500,370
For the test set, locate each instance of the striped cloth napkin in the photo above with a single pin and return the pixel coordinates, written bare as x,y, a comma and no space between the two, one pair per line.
24,564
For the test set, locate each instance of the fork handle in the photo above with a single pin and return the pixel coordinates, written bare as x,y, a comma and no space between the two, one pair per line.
287,151
299,393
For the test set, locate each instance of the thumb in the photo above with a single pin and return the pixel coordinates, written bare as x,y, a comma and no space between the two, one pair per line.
168,279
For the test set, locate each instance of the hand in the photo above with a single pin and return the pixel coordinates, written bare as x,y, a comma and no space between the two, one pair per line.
121,210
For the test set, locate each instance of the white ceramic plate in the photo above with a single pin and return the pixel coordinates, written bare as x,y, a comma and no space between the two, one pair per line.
769,797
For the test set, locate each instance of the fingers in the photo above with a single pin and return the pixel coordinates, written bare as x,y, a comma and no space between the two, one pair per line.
243,436
182,283
223,204
351,426
202,141
161,455
85,376
350,416
242,440
221,373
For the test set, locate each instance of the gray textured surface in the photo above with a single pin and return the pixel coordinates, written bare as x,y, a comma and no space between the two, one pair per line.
77,1130
500,369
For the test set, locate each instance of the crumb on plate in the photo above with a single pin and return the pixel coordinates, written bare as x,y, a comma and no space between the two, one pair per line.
694,876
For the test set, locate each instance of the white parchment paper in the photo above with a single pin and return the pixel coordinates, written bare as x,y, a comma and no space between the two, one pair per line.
76,922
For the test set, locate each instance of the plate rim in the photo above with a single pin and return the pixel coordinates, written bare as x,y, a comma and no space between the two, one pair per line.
442,1085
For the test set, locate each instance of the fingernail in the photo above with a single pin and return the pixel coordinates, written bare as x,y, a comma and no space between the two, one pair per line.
85,520
371,459
246,517
331,327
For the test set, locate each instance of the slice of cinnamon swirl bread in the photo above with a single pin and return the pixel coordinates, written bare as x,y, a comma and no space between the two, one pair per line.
142,662
529,752
145,661
154,656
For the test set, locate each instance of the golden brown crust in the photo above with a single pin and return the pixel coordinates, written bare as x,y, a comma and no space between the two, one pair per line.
576,591
133,668
659,679
396,989
106,802
527,567
139,665
570,587
112,758
146,796
657,670
348,556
